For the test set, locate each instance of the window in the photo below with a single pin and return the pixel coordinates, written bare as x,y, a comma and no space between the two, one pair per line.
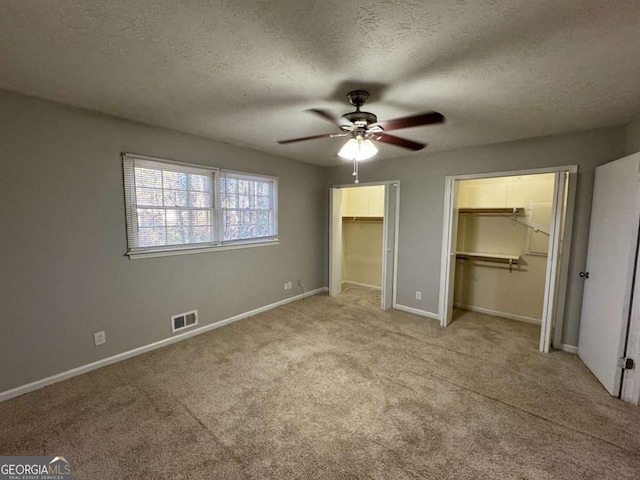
247,204
177,208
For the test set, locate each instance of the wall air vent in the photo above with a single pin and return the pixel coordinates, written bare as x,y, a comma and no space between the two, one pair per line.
184,320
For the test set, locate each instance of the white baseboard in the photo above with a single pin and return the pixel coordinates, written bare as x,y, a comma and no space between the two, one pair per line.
417,311
510,316
358,284
569,348
30,387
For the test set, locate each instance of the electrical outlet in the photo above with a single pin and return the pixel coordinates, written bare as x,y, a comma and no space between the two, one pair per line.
99,338
290,285
286,286
418,295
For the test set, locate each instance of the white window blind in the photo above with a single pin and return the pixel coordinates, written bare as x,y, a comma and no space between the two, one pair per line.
172,206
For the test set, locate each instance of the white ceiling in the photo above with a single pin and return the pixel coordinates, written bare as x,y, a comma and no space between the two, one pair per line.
243,72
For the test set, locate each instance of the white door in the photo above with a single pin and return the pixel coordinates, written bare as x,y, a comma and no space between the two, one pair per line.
613,238
388,244
553,262
453,246
335,242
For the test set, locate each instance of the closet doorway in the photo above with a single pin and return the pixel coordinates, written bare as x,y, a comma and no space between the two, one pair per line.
505,247
363,240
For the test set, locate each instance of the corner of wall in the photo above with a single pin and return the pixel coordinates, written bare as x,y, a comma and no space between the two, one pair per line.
632,131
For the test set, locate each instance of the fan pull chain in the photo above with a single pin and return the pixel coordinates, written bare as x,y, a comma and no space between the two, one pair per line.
355,171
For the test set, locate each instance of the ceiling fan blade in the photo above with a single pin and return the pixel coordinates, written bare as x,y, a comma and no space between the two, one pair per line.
302,139
331,117
428,118
398,142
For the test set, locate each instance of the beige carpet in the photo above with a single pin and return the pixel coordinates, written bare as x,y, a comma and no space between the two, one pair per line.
335,388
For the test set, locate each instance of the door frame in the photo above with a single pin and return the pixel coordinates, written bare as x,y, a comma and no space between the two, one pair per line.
335,241
558,282
388,293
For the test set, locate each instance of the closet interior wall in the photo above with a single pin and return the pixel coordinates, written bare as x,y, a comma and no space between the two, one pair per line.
513,291
362,235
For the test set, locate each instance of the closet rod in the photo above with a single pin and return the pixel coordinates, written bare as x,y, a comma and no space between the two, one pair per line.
363,219
492,211
510,260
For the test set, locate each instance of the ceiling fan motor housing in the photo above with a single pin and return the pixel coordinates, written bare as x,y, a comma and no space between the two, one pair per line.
358,118
361,118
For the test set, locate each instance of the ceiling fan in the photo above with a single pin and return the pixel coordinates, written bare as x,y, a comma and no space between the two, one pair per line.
363,127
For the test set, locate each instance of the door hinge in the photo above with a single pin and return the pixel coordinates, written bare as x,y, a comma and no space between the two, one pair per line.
626,363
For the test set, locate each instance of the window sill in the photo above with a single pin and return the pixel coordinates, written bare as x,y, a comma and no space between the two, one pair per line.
135,255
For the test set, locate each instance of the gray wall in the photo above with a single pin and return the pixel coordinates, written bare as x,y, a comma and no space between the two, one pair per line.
422,203
633,136
63,270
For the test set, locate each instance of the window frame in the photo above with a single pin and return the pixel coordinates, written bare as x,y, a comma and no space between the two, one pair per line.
217,243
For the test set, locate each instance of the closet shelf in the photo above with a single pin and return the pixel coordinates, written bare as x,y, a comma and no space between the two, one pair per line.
362,219
510,260
517,211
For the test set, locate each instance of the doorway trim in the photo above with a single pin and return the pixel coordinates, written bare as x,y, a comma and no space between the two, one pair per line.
449,236
389,245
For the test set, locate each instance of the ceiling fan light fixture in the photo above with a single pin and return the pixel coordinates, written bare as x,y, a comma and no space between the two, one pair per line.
367,150
358,149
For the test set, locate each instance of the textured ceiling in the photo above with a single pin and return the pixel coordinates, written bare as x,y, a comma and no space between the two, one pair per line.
243,71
